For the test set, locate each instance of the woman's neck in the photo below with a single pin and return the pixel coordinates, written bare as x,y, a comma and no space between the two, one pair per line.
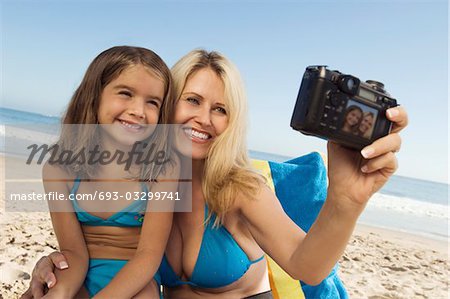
198,169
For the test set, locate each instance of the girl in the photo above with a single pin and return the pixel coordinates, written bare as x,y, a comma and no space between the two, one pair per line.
125,92
352,119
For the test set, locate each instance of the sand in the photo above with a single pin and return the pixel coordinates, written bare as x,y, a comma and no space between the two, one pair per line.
378,263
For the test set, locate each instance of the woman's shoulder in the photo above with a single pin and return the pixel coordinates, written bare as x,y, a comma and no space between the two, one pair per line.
261,194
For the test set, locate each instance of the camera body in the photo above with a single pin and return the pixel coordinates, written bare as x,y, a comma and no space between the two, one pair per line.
341,108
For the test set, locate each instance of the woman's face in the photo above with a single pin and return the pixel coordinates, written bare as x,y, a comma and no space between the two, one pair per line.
366,124
353,117
201,111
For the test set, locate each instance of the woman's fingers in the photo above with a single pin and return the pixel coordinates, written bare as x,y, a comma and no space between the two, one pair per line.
386,163
27,294
37,289
389,143
42,275
59,260
399,118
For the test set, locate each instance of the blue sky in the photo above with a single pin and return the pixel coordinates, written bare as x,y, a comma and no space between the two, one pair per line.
47,45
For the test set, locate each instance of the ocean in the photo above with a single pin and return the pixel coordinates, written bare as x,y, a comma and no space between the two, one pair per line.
405,204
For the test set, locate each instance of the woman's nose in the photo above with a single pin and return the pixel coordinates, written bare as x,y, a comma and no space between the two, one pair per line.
203,116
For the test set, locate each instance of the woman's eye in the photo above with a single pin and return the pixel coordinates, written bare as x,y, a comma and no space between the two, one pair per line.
221,110
193,101
125,93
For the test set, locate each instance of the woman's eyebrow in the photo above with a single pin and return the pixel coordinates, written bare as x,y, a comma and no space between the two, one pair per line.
192,93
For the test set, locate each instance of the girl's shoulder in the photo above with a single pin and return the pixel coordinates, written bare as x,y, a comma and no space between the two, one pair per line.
56,173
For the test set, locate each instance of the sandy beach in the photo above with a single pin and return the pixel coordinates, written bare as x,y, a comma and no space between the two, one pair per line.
378,263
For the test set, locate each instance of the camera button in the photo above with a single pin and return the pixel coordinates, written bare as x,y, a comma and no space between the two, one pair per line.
334,100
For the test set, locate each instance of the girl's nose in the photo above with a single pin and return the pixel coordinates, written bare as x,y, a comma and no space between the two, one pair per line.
136,108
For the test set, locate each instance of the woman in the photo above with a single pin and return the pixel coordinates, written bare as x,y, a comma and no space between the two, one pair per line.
365,127
242,214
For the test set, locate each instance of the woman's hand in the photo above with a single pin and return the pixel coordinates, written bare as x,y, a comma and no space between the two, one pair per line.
43,276
355,176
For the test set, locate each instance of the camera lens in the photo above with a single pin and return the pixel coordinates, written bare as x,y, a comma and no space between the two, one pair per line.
348,84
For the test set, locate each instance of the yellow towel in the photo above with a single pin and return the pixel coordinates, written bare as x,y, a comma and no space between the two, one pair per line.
283,286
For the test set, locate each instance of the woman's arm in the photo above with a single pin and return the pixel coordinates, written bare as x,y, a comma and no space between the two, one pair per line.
310,257
139,271
69,235
42,276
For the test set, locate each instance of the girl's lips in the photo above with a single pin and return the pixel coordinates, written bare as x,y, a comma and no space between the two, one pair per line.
130,126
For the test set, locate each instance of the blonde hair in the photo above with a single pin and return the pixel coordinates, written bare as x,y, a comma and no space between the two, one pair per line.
227,172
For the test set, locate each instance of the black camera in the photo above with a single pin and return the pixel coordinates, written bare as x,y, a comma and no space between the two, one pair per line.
341,108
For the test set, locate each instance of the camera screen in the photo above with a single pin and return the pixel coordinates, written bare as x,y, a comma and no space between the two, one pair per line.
359,119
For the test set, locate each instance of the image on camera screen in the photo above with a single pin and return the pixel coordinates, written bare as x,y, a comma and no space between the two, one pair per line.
359,119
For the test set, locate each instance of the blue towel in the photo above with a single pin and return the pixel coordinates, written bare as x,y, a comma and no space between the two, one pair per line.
301,186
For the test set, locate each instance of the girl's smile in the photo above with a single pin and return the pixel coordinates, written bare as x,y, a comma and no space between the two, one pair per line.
130,105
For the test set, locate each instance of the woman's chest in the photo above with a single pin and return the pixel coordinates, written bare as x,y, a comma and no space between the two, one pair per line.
209,256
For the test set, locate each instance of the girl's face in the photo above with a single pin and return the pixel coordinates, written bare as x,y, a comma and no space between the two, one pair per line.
201,111
353,117
129,103
366,123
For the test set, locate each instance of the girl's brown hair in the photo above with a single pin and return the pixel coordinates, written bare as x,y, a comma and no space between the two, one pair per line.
84,104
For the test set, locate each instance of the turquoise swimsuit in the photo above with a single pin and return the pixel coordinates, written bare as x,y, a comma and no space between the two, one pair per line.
102,271
221,261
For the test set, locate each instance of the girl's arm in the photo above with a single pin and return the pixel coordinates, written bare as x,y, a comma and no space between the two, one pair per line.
69,235
139,270
310,257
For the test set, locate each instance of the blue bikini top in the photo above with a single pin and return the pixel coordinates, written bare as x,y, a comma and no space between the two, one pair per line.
220,262
131,215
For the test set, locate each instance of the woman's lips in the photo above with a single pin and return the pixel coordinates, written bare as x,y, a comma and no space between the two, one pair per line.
196,135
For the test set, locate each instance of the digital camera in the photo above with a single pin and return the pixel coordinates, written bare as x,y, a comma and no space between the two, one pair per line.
341,108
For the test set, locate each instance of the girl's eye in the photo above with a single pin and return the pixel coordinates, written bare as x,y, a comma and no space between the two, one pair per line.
125,93
221,110
193,101
153,102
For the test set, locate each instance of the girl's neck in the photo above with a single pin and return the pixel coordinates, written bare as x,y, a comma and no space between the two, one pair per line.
115,171
118,167
107,144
